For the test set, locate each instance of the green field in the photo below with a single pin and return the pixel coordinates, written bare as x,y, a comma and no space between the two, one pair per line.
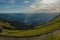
46,28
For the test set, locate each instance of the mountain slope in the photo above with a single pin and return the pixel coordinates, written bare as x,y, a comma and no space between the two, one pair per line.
49,27
5,25
27,20
40,30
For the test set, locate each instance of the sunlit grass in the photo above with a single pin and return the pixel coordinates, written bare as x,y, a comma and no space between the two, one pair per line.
5,24
51,36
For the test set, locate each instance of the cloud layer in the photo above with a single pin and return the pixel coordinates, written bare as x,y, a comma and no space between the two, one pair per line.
8,3
26,1
43,6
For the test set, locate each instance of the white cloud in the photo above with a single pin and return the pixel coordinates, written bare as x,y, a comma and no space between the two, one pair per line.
44,6
26,1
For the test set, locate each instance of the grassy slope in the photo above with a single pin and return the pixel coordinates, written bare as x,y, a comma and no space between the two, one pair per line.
50,26
51,36
4,24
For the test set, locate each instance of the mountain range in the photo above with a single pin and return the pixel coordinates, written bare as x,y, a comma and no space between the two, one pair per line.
27,20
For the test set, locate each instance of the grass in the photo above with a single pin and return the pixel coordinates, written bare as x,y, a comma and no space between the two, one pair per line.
50,26
51,36
5,24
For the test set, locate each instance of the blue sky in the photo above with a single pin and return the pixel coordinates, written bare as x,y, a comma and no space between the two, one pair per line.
14,5
28,6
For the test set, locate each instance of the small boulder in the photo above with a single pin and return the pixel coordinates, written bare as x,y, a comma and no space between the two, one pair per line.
1,29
